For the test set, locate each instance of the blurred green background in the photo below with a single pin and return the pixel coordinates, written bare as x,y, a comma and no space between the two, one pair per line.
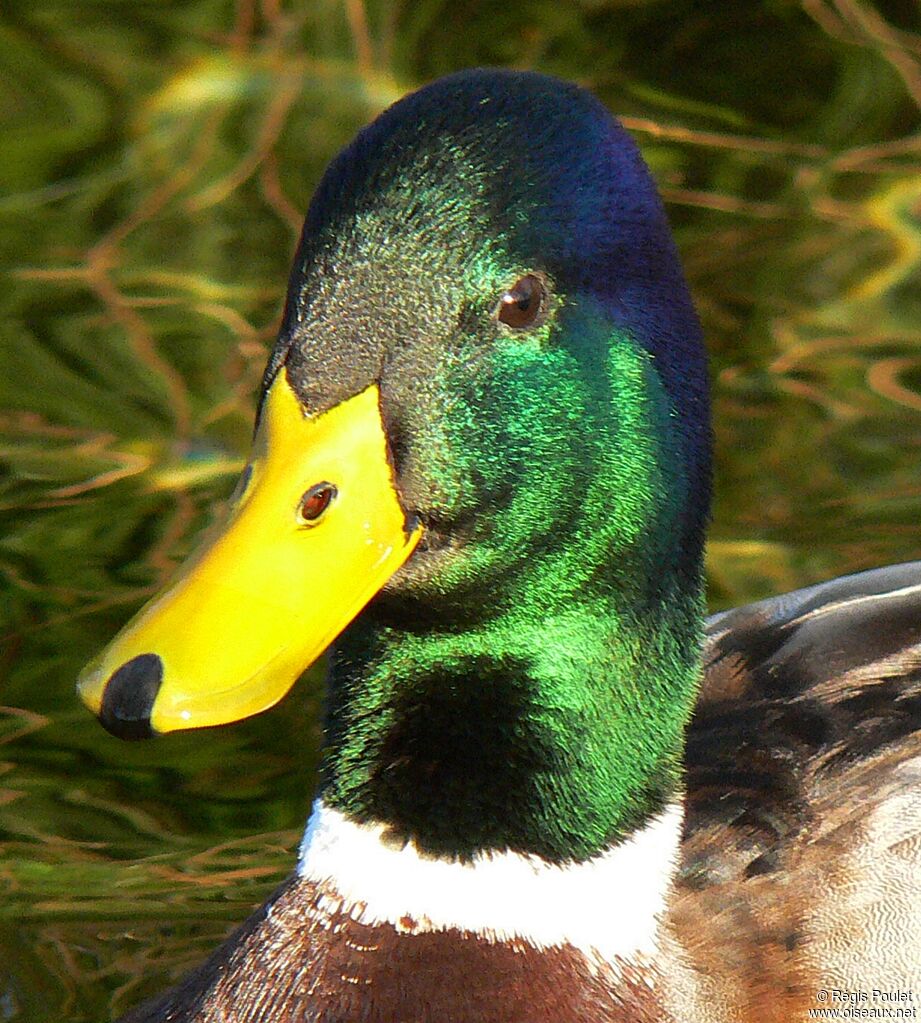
157,158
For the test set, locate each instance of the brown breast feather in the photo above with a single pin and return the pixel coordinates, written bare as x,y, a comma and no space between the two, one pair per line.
295,961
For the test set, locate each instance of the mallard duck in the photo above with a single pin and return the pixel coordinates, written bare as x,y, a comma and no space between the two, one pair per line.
481,471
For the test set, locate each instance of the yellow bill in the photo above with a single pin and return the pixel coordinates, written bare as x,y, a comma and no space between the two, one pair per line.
315,531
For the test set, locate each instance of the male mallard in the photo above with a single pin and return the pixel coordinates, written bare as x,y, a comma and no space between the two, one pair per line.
483,451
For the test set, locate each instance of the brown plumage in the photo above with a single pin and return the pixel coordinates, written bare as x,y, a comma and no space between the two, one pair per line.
802,852
296,960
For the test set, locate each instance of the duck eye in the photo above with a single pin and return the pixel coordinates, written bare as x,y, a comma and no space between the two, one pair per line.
522,305
314,502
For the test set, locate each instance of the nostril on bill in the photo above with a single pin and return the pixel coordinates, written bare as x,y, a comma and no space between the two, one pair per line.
129,695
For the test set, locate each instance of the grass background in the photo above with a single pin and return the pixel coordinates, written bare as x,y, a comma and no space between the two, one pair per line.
157,158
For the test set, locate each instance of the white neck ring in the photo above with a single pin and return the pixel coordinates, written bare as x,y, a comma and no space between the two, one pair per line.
609,907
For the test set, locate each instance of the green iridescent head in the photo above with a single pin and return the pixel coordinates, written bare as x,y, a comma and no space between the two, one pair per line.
492,252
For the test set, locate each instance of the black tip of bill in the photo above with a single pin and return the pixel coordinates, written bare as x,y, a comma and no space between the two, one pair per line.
129,695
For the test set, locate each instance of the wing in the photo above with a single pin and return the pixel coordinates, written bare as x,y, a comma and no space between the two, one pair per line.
802,853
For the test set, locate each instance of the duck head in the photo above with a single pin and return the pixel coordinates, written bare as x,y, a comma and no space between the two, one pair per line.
486,414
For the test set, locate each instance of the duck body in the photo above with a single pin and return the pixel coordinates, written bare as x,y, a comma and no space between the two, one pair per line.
782,889
483,451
